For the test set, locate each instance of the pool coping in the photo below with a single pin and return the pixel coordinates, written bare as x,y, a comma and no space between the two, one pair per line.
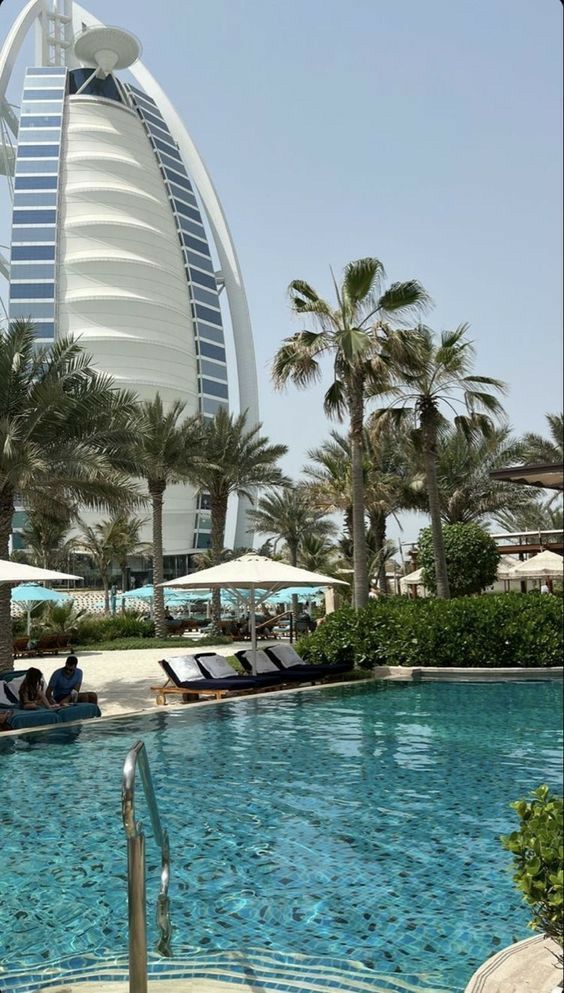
383,673
529,966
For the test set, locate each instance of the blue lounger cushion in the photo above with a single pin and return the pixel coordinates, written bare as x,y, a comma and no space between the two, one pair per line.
23,719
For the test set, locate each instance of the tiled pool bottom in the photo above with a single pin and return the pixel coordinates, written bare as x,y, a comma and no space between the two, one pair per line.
356,824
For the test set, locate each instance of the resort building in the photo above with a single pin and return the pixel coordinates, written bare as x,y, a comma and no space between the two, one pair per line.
117,234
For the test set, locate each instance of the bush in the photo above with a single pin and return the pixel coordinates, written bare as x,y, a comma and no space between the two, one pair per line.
505,629
471,556
538,859
128,625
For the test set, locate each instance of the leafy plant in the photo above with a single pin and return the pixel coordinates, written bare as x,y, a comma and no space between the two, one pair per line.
471,558
505,629
538,857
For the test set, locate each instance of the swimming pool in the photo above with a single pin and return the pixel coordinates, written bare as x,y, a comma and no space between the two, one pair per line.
354,823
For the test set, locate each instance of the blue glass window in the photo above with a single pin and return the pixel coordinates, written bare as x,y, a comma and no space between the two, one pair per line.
161,132
201,277
144,97
34,216
198,246
32,252
45,107
38,151
44,329
32,291
190,212
33,234
37,199
35,183
181,179
213,389
46,94
203,541
20,271
47,71
180,194
94,86
211,369
211,407
204,296
50,166
214,334
192,227
43,121
34,135
153,119
212,351
169,149
31,309
206,314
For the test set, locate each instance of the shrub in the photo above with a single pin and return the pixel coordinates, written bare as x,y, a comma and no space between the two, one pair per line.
127,625
538,859
471,556
505,629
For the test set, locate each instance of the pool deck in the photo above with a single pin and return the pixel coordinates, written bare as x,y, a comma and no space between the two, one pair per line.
530,966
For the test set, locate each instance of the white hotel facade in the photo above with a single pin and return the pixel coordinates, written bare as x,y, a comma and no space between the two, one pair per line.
118,235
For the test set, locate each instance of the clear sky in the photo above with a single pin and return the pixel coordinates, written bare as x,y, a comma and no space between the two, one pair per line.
427,134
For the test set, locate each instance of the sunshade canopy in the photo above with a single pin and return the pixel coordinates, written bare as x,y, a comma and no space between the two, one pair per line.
506,567
252,572
16,572
29,593
545,565
413,578
546,476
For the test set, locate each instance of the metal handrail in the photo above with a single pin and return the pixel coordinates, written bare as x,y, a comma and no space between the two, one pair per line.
137,759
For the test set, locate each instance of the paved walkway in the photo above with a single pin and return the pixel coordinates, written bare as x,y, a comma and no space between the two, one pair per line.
123,679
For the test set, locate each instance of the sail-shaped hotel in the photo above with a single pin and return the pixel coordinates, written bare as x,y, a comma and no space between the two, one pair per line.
118,236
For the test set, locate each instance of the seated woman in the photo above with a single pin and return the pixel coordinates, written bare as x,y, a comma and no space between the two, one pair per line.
32,694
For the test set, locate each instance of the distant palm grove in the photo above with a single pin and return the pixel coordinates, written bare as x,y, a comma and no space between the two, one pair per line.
421,431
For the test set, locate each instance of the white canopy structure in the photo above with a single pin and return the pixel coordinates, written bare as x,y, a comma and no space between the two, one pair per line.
412,580
256,574
506,567
16,572
545,565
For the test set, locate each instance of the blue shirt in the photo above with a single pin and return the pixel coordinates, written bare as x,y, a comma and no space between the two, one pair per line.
61,685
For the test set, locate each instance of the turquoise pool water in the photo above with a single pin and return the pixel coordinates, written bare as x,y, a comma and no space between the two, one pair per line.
355,823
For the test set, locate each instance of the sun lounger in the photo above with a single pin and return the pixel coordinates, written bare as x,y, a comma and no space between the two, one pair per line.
271,669
214,677
286,658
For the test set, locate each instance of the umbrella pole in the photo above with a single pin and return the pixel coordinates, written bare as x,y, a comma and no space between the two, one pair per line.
28,622
253,622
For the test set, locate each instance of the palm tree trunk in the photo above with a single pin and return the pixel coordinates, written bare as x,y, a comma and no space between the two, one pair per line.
430,457
293,549
218,517
106,587
360,551
378,526
157,490
6,514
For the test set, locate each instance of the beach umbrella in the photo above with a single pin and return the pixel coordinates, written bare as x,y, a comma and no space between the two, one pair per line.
29,594
545,565
506,567
252,578
15,572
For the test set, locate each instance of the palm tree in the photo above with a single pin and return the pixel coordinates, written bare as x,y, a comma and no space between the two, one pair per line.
389,475
46,537
234,459
467,493
165,451
127,541
318,553
551,449
431,375
535,514
289,515
100,542
352,333
64,430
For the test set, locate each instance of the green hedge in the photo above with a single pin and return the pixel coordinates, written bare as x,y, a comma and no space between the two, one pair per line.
93,629
506,629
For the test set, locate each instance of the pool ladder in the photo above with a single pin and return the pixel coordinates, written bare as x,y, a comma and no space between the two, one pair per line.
137,902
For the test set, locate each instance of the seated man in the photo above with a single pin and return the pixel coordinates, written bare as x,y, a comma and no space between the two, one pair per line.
64,685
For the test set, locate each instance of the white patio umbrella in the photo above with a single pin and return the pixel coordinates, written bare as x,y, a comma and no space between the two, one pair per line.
412,579
506,567
545,565
256,576
15,572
